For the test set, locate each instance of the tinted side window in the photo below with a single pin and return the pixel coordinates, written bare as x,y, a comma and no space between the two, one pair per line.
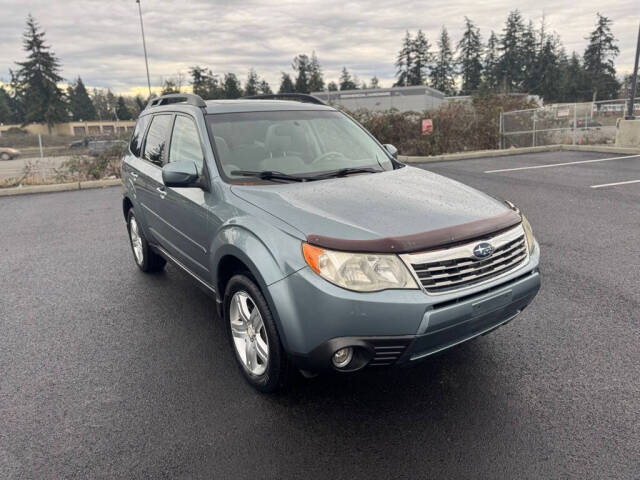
138,133
157,139
185,143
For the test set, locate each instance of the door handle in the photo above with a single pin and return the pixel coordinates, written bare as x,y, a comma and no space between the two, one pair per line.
134,175
162,191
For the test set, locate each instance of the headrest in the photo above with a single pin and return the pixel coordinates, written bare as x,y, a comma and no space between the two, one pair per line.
279,137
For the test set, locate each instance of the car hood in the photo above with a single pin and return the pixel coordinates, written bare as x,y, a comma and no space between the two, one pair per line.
403,202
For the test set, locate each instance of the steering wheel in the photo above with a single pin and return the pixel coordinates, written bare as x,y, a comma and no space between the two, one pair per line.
328,155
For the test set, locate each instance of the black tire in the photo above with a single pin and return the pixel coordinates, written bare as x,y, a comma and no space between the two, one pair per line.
150,261
279,371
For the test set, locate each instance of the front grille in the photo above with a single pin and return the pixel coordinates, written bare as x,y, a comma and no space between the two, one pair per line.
455,268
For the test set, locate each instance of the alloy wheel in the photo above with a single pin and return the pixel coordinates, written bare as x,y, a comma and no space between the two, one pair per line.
249,334
136,241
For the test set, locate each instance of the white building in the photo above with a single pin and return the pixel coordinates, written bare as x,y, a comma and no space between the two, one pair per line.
403,99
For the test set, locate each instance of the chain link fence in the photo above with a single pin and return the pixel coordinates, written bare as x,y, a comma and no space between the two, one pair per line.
586,123
35,159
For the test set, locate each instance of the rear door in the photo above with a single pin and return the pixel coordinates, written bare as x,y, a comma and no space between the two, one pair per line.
132,166
184,227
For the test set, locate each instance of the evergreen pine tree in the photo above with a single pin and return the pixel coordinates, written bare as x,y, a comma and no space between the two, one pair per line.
80,104
600,71
404,61
139,103
5,111
491,64
548,72
122,111
232,88
511,62
204,83
316,82
301,65
346,81
443,72
16,106
421,59
252,84
286,84
470,58
529,51
332,86
264,88
37,80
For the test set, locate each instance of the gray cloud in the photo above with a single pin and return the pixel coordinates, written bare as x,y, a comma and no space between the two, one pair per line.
100,41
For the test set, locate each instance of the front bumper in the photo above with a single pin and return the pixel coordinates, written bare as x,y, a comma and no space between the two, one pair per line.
393,327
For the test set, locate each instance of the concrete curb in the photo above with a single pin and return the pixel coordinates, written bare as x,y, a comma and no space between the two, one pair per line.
601,149
520,151
59,187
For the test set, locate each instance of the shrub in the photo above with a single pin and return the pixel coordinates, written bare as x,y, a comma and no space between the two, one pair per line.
457,126
106,164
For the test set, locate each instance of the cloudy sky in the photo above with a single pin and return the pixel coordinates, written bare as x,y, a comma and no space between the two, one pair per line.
100,39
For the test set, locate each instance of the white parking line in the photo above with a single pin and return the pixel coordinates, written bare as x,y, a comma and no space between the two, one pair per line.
614,184
560,164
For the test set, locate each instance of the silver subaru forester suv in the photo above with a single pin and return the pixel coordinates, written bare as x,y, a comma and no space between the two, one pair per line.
322,251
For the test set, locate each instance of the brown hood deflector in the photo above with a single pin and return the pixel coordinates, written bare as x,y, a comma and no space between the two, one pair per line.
421,241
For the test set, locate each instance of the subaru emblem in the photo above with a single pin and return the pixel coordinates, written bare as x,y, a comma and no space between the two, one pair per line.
482,250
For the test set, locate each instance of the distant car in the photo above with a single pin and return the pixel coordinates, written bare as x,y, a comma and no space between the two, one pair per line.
588,123
97,147
8,153
83,143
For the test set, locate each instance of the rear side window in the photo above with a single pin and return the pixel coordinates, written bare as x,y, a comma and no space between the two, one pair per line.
185,143
136,140
156,141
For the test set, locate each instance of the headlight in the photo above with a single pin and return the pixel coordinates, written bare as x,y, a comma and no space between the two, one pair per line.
528,233
363,272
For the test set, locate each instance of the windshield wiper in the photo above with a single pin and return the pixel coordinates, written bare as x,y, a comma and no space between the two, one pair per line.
270,175
345,171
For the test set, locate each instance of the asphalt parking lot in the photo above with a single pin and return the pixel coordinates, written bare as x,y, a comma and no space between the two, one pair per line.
108,373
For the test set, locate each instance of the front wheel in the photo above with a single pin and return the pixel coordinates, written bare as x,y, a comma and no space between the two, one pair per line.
254,337
5,156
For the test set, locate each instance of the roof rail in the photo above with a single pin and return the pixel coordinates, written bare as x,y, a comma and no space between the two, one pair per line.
188,98
295,97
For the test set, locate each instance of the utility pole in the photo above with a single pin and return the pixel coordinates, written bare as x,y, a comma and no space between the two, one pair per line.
634,82
144,46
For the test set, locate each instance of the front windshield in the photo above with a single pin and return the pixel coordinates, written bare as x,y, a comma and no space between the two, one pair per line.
301,143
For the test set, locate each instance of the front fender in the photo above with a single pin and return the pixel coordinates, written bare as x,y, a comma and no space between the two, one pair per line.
269,258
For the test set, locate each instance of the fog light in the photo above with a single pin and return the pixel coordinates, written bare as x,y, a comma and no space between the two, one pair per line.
342,357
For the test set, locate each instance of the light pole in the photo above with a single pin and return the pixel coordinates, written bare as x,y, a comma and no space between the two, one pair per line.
144,46
634,82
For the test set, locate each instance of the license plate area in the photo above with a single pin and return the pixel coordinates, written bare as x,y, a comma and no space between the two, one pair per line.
495,302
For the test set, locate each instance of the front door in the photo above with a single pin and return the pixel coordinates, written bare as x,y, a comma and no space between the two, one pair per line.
150,186
184,225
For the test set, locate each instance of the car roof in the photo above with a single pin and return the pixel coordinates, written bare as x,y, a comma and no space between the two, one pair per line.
240,105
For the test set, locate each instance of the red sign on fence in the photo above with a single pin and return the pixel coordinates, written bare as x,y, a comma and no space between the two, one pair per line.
427,126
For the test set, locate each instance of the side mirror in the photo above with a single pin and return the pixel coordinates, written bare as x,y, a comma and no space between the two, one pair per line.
392,150
180,174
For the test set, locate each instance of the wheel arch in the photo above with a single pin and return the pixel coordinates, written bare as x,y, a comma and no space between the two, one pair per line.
233,257
127,205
